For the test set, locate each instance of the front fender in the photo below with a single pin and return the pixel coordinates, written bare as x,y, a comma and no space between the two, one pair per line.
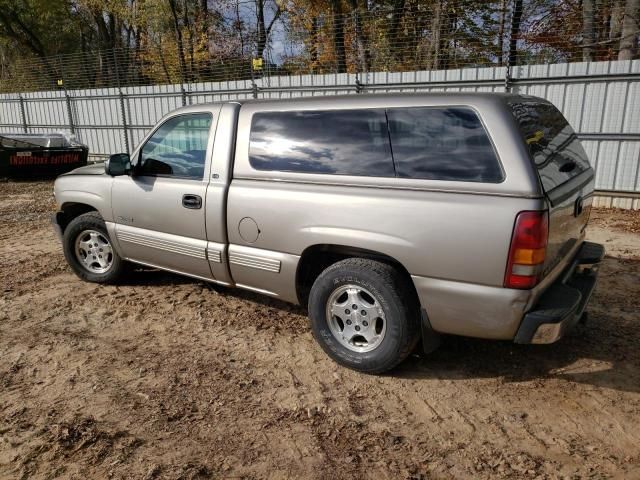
91,190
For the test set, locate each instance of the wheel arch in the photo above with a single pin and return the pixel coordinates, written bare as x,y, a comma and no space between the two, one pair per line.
316,258
71,210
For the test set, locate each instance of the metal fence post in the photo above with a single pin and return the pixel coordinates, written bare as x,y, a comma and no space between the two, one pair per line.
512,42
23,114
123,112
184,94
62,81
72,126
507,80
254,85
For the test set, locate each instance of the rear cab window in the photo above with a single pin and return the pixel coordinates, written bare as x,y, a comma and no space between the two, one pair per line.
431,143
338,142
555,148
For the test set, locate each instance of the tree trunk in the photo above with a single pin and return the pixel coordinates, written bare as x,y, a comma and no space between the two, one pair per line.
364,57
263,29
90,72
163,63
630,24
313,45
190,41
615,28
395,39
136,54
204,18
436,30
503,18
239,28
178,32
449,36
338,36
261,43
107,64
515,32
588,29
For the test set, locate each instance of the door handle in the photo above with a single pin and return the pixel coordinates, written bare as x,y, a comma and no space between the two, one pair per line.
192,201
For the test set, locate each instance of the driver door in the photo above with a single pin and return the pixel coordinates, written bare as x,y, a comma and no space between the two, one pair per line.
159,210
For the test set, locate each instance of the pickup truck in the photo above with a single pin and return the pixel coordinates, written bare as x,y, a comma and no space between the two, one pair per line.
393,218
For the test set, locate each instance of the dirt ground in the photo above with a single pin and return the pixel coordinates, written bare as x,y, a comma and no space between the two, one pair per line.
167,377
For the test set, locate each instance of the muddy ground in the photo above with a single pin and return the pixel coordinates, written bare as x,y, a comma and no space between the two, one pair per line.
167,377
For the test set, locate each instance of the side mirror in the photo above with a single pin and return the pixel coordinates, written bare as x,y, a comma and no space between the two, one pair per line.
118,164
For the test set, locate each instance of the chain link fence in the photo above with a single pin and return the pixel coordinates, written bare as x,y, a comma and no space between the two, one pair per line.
110,98
309,38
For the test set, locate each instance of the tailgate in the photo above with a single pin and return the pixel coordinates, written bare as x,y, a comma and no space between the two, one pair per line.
565,175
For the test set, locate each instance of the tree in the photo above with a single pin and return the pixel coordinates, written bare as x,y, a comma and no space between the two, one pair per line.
264,28
338,36
588,29
629,34
395,34
516,18
168,41
501,30
27,26
364,54
178,32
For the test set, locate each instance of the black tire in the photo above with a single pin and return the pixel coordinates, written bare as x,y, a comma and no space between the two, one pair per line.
395,296
85,222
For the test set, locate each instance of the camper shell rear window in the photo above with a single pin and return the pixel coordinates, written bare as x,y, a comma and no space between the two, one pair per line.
555,148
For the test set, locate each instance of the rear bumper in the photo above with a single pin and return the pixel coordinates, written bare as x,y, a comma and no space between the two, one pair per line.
560,307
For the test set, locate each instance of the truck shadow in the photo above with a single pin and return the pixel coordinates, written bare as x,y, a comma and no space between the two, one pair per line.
603,353
585,356
139,275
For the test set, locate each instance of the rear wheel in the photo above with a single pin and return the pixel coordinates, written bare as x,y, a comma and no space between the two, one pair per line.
364,314
89,251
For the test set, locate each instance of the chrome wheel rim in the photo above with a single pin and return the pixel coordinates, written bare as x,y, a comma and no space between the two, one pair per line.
356,318
93,251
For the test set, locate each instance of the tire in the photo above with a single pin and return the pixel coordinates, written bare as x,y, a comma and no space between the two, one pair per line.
389,338
84,236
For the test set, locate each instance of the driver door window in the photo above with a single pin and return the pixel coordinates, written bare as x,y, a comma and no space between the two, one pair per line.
177,148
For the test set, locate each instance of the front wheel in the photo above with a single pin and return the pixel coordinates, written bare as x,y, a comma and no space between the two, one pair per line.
364,314
89,251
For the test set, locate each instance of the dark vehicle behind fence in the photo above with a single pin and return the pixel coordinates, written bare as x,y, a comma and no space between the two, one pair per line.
39,156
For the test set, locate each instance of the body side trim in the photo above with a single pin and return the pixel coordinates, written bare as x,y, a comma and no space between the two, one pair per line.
256,261
214,252
266,271
173,246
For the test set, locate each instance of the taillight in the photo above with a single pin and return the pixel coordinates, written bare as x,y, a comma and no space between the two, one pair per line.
528,248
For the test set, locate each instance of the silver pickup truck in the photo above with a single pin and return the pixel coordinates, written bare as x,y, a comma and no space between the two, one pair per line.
392,218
